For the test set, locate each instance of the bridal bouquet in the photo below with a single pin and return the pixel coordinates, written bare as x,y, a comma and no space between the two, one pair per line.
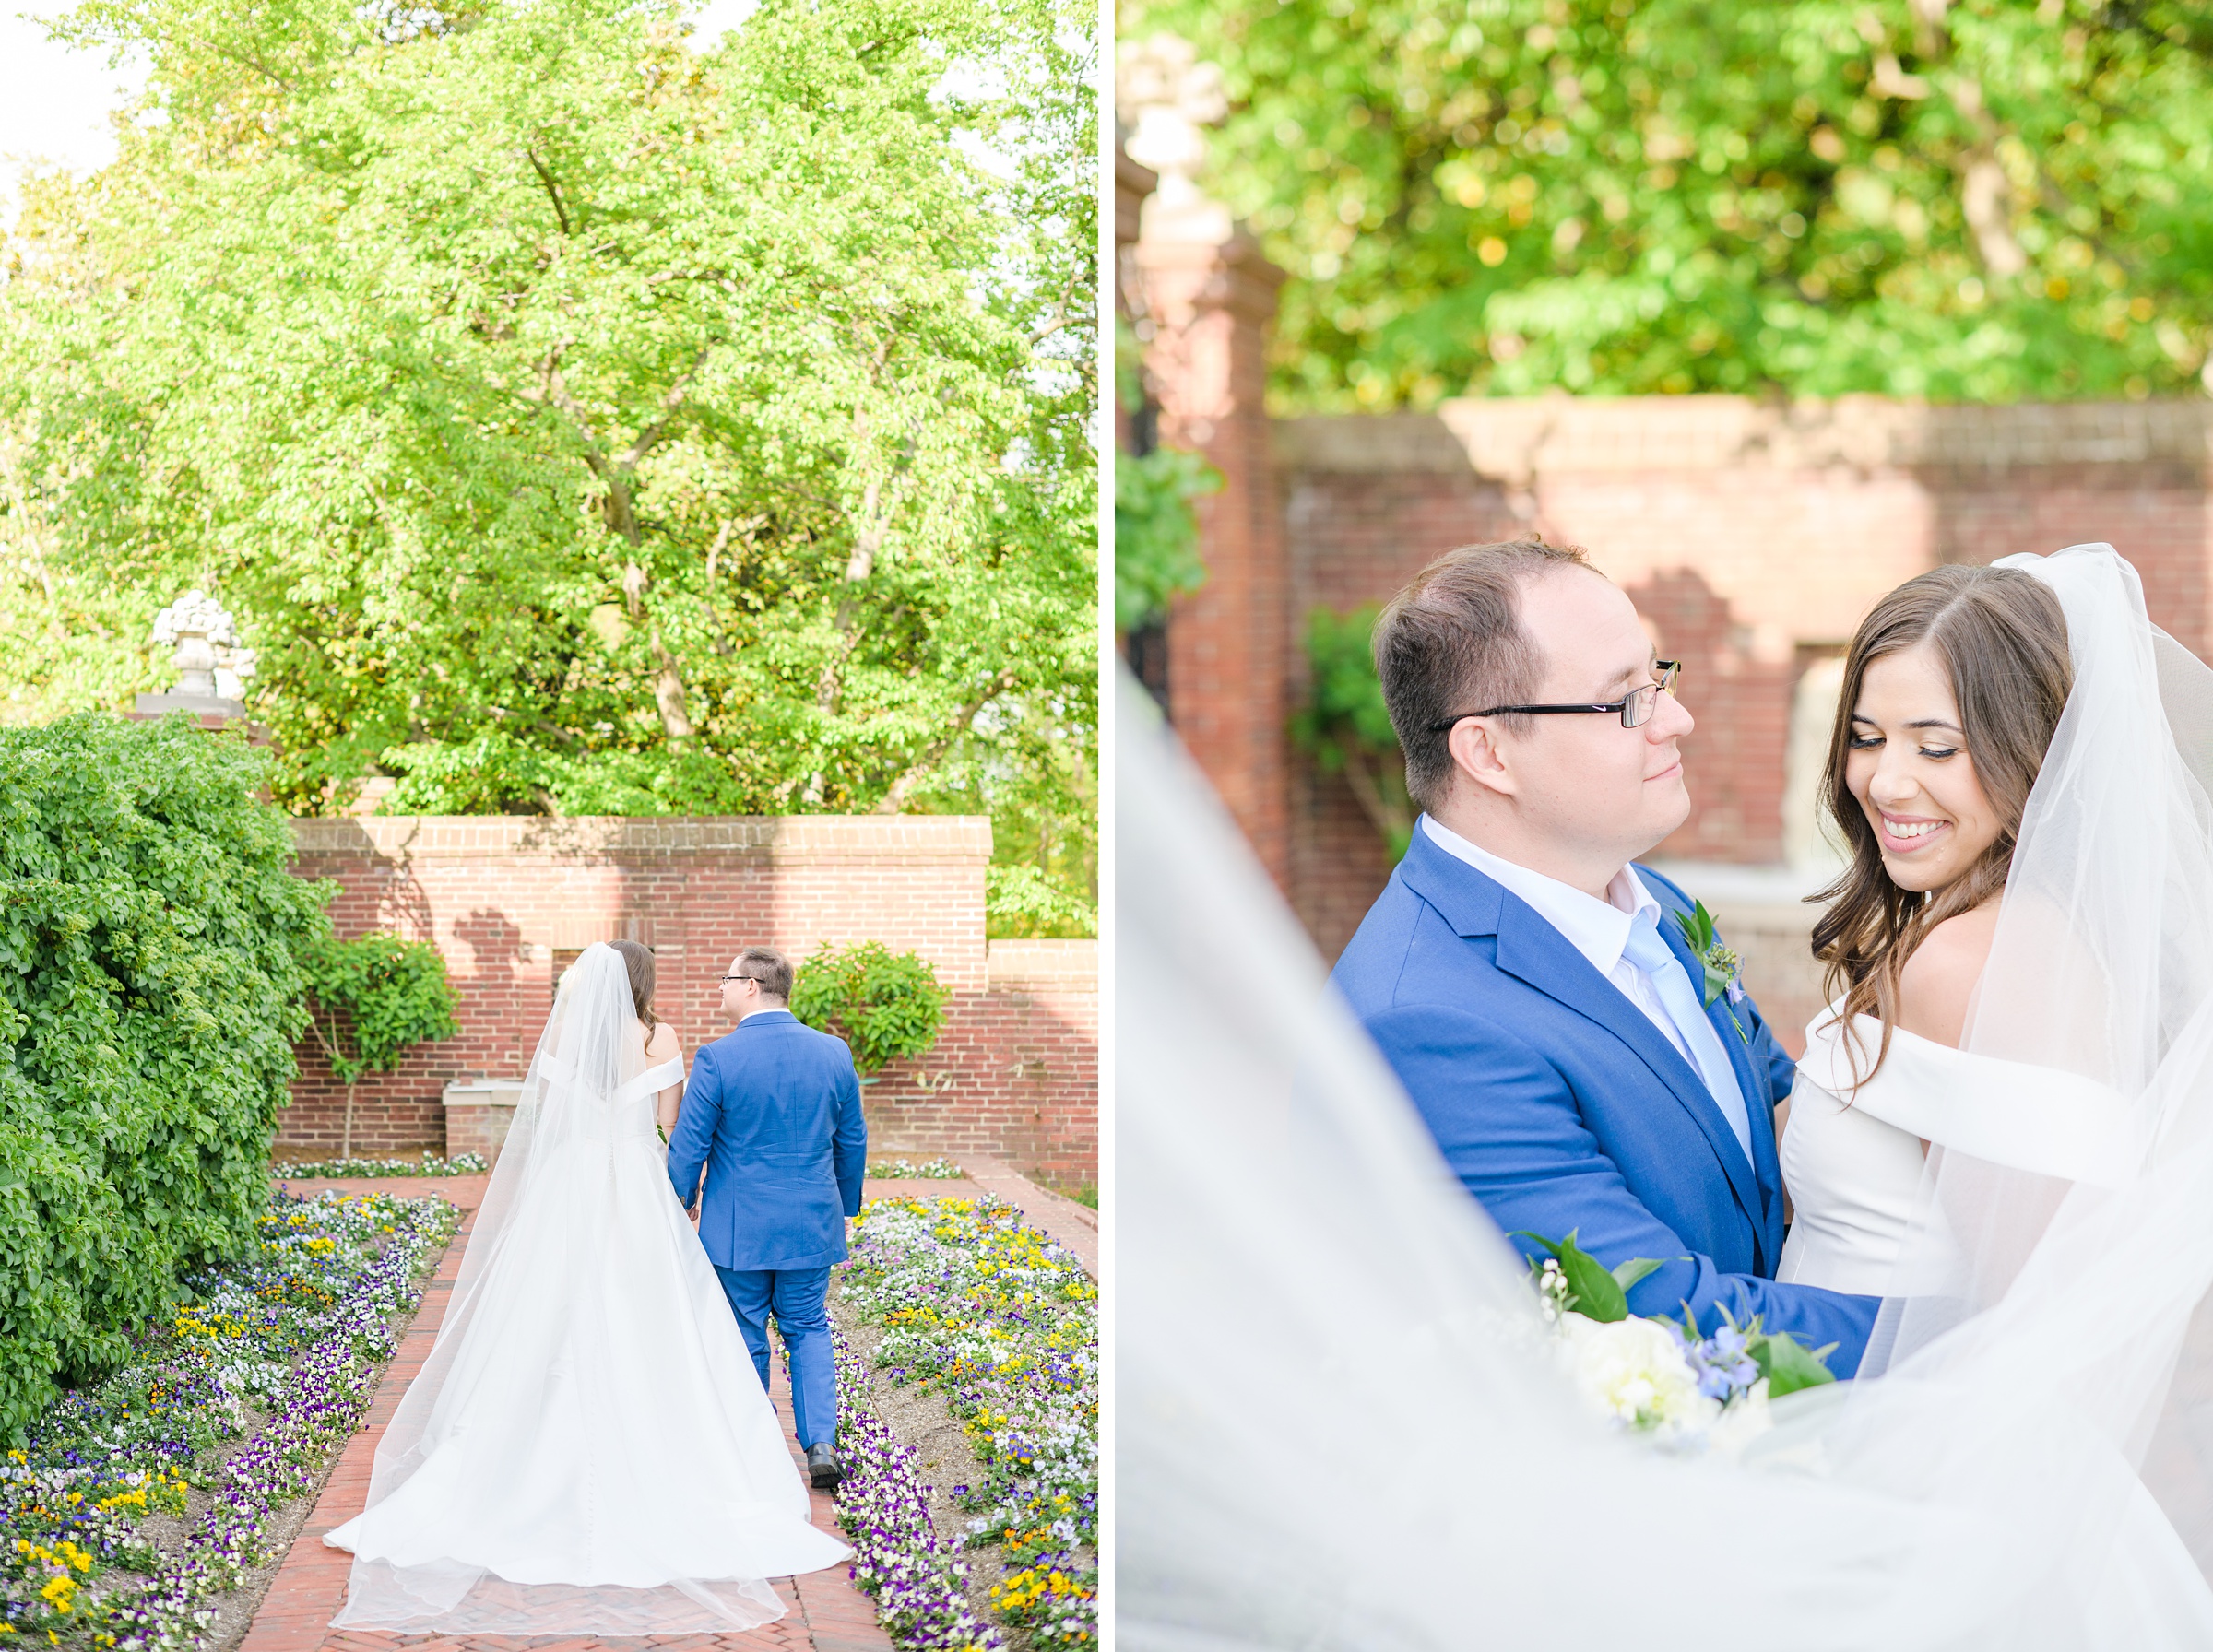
1658,1376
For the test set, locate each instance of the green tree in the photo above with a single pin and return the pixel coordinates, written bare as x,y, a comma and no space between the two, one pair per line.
685,431
372,1000
1978,200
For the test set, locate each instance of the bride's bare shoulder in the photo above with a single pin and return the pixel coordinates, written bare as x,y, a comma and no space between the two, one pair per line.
1936,987
664,1043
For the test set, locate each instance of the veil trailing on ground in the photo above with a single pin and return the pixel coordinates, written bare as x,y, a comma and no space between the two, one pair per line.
1340,1424
587,1448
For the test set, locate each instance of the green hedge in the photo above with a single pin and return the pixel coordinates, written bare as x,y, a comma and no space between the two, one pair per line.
149,1006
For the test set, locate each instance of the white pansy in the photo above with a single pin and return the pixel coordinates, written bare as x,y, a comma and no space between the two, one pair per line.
1635,1371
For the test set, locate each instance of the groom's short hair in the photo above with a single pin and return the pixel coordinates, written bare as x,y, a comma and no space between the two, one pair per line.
1451,643
772,969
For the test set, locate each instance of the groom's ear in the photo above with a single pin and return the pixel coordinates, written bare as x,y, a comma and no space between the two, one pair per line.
1477,758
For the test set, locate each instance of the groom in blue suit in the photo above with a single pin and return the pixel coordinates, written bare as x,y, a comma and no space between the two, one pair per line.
1533,987
773,1114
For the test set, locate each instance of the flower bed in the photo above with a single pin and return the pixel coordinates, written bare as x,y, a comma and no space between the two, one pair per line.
919,1580
461,1164
131,1505
1004,1324
929,1169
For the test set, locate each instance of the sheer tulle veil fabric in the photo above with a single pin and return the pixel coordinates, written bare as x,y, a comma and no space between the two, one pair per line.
587,1447
1338,1419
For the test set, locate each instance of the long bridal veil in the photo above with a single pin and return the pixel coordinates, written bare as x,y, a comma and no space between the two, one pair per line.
587,1448
1339,1423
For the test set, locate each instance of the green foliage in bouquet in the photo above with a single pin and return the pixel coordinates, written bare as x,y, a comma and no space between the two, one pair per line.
375,997
886,1005
1601,1293
149,998
1594,1290
1345,725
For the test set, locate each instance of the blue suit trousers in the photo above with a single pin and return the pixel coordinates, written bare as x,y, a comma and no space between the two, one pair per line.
796,1298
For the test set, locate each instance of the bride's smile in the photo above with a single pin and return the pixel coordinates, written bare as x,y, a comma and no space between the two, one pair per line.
1909,767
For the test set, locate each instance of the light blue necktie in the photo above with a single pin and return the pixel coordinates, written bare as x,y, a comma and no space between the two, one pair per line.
1666,970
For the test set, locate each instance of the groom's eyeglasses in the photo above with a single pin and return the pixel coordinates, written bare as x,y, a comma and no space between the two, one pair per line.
1635,708
741,978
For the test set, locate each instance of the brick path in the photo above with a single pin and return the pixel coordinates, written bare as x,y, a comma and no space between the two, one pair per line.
827,1613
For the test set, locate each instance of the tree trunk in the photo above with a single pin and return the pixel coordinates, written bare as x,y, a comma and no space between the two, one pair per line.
345,1137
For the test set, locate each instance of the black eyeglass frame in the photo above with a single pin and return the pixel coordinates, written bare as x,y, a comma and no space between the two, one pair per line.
1650,693
756,979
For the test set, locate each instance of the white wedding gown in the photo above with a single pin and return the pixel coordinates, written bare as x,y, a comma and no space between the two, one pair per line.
1851,1154
589,1448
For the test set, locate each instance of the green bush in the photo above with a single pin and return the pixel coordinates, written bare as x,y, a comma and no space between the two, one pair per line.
149,1004
886,1005
1345,727
1156,531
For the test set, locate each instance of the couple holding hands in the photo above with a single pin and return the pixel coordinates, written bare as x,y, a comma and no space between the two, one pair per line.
590,1446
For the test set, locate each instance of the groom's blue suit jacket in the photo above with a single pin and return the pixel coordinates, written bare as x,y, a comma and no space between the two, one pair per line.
1562,1108
773,1113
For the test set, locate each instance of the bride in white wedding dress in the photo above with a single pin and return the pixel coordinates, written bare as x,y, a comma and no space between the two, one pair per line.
1932,817
589,1448
2044,1354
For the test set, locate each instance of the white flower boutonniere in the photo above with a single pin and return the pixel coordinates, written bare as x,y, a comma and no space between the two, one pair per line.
1725,978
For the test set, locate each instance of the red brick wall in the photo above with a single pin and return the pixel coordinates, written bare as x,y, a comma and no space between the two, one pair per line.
1210,303
1015,1069
1752,539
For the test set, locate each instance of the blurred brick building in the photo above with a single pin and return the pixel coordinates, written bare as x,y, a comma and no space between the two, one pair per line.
1752,537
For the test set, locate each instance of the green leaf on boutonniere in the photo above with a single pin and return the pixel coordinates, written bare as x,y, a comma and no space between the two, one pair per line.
1717,960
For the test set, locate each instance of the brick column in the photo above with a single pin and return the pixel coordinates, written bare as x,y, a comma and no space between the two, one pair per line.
1212,296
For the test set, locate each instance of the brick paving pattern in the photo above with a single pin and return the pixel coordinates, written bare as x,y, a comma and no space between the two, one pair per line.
827,1613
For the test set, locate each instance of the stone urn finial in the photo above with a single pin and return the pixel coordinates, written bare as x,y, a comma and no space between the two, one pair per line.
1169,97
211,667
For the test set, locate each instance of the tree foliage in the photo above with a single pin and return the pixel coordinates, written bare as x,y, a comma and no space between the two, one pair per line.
578,420
887,1006
1345,727
148,1002
1986,200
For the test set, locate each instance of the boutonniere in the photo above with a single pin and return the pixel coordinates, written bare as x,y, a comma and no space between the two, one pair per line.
1724,978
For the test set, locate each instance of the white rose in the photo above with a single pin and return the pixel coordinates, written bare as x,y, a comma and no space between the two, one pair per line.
1635,1371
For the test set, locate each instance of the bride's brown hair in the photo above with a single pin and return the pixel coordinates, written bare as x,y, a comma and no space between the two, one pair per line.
2003,638
638,961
